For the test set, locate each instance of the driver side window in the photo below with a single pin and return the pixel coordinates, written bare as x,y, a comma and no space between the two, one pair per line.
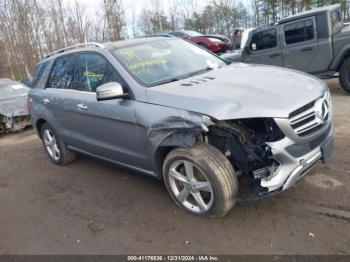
264,40
95,70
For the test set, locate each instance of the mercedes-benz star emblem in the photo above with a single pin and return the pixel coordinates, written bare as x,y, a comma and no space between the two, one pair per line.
321,110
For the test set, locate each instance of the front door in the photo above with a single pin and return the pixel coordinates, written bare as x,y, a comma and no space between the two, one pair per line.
105,128
263,48
300,45
101,128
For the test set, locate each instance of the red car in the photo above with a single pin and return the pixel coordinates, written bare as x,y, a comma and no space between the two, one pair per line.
214,43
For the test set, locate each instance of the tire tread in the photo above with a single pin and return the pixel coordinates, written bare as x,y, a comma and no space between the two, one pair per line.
205,154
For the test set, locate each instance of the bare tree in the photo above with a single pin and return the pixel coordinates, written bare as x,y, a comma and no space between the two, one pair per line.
115,19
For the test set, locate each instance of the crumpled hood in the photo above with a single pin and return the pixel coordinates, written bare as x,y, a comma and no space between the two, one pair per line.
14,107
241,91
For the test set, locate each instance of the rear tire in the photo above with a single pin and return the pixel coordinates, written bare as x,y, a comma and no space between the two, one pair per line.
55,147
344,75
210,189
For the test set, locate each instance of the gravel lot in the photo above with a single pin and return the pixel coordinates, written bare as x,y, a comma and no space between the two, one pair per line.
92,207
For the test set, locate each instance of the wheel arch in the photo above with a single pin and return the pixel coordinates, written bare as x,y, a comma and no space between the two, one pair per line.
341,56
39,124
171,142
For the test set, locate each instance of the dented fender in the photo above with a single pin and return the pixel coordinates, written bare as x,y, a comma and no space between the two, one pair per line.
167,127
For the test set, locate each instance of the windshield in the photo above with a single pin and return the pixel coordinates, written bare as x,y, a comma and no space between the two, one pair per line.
167,60
12,90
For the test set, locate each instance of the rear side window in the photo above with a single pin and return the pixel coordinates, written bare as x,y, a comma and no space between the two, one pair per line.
95,70
63,73
299,32
264,40
39,70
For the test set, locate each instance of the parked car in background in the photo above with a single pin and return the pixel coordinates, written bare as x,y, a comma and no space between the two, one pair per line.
245,36
315,41
14,114
235,55
170,109
27,81
159,35
214,43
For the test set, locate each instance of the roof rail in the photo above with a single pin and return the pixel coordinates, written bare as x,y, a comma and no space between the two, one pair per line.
94,44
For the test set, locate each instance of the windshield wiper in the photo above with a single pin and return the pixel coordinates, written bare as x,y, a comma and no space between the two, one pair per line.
174,79
166,81
200,71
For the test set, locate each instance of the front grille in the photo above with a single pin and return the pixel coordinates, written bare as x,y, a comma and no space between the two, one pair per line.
311,117
298,150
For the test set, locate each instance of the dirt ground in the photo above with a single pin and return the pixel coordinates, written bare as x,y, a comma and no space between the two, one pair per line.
92,207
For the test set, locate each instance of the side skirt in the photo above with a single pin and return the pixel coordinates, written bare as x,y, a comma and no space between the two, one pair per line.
139,170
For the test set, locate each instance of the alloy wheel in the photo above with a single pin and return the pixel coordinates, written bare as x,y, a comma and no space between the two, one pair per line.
190,186
51,145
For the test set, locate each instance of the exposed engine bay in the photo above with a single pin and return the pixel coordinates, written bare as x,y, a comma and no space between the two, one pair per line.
13,124
244,143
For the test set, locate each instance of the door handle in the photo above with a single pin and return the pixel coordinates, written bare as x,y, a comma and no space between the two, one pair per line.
306,49
46,101
275,55
82,107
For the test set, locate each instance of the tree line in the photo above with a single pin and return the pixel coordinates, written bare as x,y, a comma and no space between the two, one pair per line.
29,29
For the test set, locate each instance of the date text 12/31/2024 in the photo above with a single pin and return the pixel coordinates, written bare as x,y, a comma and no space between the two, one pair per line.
173,258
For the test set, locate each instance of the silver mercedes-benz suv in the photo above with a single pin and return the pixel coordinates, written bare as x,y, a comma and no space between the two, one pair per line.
172,110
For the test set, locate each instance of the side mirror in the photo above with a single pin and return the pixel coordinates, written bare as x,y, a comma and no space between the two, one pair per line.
109,91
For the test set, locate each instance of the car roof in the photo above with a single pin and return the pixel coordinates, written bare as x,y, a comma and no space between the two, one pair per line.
136,41
160,35
308,13
106,46
5,82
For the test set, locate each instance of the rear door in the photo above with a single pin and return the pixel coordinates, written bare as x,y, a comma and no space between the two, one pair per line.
300,45
56,97
264,48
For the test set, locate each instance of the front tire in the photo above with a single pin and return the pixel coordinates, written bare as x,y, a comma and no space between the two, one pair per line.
344,75
201,180
55,147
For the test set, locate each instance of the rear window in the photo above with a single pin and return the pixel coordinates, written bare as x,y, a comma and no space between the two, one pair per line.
299,32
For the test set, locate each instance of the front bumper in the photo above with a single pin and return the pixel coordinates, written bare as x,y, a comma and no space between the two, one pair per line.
294,166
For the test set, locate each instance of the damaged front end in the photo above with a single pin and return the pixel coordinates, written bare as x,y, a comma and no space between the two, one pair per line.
14,114
245,143
13,123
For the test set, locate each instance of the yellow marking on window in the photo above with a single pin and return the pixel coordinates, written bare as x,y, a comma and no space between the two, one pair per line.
146,64
93,74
